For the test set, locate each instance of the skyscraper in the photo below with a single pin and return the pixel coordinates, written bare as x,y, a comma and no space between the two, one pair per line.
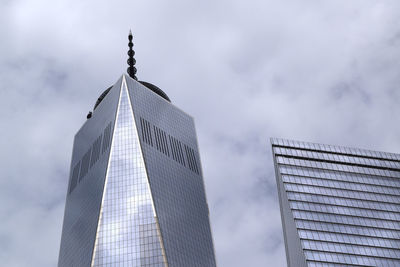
340,206
136,195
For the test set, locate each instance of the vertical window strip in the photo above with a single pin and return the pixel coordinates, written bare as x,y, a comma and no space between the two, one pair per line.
166,143
195,161
85,164
192,159
93,154
157,132
188,157
177,150
88,154
181,153
157,138
74,178
82,171
95,151
107,137
90,158
172,147
104,141
163,141
99,146
146,131
142,128
149,131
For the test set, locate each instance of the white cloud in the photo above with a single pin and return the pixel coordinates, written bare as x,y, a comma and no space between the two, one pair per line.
315,71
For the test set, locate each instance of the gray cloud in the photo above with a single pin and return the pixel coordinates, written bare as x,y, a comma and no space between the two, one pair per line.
315,71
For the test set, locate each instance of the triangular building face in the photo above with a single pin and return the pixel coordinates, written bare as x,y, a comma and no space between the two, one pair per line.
128,233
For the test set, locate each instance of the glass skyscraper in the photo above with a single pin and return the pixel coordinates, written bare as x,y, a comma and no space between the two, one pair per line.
136,195
340,206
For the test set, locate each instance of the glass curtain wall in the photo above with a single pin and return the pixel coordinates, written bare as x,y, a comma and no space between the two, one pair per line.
345,202
128,233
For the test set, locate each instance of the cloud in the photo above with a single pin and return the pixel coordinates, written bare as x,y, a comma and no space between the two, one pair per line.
315,71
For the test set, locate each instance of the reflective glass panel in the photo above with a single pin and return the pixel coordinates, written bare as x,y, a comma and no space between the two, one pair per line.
128,233
345,203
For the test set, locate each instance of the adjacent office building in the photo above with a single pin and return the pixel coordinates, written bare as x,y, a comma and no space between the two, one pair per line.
340,206
136,195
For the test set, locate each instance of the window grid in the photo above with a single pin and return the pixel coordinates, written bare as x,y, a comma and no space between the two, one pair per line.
347,229
336,166
349,248
128,233
322,156
342,192
345,202
343,184
278,142
339,175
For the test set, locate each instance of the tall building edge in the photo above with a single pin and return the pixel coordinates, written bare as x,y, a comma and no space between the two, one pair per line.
294,252
85,188
208,208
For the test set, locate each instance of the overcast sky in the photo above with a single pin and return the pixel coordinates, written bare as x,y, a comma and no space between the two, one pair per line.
311,70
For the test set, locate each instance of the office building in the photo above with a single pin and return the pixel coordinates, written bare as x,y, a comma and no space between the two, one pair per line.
340,206
136,195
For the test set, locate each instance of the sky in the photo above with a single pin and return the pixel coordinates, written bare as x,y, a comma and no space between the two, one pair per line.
311,70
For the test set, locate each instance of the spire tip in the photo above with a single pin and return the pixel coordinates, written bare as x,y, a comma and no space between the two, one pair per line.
131,60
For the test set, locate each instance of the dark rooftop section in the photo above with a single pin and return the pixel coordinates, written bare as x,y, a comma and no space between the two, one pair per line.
101,97
156,90
150,86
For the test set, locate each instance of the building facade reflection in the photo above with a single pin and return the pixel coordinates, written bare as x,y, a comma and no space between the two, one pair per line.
340,206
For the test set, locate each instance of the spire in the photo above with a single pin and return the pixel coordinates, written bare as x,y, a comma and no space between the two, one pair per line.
131,60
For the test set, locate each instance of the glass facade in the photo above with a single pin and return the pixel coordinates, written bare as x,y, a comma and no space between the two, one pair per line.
128,233
175,178
140,199
84,196
340,206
